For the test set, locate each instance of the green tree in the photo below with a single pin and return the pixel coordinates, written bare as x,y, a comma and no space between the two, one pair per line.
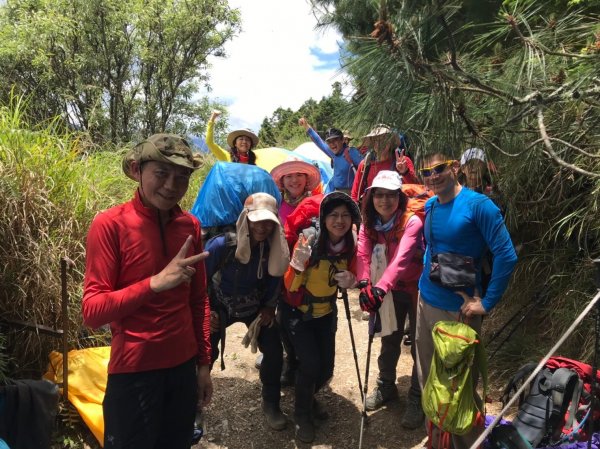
282,129
115,68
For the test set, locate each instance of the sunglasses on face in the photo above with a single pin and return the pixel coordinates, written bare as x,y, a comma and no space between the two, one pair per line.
437,169
389,195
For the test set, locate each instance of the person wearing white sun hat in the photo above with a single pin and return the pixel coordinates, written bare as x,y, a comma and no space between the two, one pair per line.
390,260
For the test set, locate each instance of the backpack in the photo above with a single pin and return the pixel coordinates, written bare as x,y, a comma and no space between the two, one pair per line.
417,197
556,409
302,217
234,306
448,396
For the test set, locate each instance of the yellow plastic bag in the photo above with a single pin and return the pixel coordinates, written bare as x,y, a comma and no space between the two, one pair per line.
88,370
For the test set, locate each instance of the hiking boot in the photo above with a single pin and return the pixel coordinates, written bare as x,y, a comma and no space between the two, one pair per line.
381,395
413,416
305,429
319,410
274,416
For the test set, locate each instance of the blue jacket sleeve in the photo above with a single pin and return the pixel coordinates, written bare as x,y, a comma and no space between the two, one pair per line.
320,142
494,232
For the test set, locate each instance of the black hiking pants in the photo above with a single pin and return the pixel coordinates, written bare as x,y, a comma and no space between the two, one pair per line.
314,342
151,409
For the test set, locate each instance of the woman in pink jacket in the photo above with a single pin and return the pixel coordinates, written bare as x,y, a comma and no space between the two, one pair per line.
389,263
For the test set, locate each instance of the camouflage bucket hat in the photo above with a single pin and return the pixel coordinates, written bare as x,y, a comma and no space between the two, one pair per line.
168,148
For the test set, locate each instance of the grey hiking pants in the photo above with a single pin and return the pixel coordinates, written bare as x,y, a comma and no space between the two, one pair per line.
427,316
391,345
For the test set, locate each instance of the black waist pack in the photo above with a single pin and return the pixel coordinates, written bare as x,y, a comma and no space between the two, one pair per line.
453,271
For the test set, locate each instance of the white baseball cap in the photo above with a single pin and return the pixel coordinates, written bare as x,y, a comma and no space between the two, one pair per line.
387,179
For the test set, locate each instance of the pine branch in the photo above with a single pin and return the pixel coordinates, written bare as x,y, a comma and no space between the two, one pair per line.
547,143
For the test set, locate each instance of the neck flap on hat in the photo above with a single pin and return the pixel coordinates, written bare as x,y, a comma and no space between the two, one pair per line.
279,253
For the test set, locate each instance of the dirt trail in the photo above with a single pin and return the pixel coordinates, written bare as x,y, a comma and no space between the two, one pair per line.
234,420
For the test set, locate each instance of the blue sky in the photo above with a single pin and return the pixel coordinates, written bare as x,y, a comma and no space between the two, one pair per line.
279,60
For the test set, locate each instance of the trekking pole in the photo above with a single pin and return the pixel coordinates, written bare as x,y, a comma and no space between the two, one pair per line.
344,294
540,297
373,323
539,300
594,384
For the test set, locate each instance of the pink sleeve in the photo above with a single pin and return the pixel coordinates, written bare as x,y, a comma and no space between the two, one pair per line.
400,261
363,255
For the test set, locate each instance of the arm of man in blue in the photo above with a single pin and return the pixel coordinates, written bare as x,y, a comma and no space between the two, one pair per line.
492,227
320,142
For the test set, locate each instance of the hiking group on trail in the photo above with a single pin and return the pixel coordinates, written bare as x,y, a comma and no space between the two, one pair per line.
413,250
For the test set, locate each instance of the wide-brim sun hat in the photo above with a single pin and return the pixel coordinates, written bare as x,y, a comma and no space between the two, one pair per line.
382,130
386,179
242,132
168,148
313,175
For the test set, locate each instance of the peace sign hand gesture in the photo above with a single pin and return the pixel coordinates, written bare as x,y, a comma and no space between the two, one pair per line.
180,269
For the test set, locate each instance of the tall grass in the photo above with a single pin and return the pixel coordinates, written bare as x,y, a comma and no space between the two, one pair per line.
52,183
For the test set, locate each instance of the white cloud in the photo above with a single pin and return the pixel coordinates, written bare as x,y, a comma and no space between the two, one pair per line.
270,64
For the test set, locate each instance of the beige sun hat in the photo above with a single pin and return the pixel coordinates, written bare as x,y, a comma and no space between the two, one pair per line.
162,147
295,165
382,130
242,132
257,207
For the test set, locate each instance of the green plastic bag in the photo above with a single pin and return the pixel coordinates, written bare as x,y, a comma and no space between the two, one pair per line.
448,397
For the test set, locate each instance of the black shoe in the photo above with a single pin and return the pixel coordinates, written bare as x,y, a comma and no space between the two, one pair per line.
381,395
305,429
274,416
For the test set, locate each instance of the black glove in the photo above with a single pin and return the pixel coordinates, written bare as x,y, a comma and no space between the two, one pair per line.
370,298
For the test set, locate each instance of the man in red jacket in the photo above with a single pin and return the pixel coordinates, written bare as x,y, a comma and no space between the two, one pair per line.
145,277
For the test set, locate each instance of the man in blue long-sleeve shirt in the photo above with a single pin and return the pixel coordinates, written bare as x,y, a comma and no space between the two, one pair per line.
344,159
461,221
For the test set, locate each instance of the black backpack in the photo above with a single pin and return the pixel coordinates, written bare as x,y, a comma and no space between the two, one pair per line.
554,411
